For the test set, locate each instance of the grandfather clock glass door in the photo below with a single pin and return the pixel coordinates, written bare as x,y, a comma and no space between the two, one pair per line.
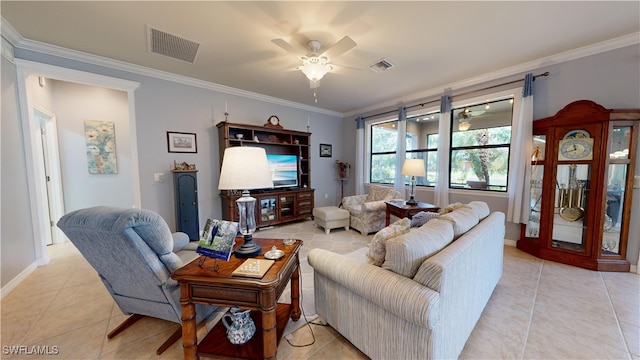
573,175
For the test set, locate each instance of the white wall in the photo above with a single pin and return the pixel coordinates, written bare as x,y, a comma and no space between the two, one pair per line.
18,252
73,104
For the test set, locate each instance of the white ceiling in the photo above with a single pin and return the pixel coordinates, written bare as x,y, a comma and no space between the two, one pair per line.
432,44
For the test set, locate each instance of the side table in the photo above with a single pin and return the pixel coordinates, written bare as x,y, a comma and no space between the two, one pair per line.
400,209
200,283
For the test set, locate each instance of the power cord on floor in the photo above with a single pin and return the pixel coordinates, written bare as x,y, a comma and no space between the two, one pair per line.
313,336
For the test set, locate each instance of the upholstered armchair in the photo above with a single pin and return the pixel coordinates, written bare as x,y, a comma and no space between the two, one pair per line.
367,212
134,253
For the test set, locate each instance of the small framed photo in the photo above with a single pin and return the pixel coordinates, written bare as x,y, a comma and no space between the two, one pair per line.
179,142
325,150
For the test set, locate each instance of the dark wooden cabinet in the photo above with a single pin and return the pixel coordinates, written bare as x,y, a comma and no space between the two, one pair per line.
581,186
278,205
185,185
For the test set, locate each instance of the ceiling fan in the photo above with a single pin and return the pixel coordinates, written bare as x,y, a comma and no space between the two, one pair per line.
316,61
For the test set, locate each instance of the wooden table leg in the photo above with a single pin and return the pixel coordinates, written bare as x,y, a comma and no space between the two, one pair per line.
269,333
189,334
295,293
387,217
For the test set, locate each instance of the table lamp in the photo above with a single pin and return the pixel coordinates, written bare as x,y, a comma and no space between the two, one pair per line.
413,168
245,168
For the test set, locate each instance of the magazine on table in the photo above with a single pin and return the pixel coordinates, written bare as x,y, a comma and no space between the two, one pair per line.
217,239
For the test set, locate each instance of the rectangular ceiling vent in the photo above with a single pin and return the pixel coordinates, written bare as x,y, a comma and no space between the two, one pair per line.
170,45
381,65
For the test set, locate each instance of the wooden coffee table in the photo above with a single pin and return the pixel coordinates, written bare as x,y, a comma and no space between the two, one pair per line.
201,284
400,209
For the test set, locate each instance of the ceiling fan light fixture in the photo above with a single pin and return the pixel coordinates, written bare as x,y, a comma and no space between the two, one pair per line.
315,67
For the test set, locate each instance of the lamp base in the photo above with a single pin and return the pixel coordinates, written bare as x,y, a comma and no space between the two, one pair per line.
412,201
248,249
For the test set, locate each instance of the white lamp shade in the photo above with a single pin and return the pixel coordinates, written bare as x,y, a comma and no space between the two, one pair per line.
413,167
245,168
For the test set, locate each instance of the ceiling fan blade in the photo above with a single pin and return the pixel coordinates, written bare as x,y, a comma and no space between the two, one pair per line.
346,66
292,49
345,44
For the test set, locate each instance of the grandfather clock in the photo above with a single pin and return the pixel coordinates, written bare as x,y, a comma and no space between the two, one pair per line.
582,173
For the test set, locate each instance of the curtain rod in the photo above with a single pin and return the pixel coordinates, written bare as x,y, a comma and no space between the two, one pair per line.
457,95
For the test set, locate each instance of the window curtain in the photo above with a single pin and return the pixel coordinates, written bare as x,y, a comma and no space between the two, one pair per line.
442,185
520,167
401,150
359,165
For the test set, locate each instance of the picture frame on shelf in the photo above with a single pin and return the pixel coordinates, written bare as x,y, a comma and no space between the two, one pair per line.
181,142
325,150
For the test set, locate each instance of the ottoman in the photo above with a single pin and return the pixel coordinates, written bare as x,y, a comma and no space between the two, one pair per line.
331,217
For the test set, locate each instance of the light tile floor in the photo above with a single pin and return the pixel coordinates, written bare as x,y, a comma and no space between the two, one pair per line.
540,309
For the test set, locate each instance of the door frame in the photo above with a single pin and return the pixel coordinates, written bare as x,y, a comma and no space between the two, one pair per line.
33,144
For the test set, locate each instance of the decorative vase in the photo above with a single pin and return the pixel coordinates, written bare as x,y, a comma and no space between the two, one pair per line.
240,327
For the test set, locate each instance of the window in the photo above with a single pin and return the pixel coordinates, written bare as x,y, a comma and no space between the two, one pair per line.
421,143
480,141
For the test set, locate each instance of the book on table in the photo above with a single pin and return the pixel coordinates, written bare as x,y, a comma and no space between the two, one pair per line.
217,239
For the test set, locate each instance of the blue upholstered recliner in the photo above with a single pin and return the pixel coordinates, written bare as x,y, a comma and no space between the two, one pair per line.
134,253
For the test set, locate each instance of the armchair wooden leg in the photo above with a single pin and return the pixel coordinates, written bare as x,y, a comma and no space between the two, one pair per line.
172,339
125,324
132,320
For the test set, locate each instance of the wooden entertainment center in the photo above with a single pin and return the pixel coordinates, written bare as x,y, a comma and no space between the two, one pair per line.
278,205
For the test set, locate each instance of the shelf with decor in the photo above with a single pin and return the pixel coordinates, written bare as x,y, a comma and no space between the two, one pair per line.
292,197
581,185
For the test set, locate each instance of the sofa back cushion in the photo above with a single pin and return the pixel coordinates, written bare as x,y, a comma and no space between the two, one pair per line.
381,193
377,248
481,208
462,219
405,253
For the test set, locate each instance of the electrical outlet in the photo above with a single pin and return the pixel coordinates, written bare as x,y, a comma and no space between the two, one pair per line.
158,177
636,182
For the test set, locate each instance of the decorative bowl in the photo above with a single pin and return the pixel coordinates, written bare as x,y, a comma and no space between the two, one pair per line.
239,136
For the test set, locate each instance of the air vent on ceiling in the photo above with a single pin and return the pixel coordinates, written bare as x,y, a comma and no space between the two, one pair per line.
163,43
381,66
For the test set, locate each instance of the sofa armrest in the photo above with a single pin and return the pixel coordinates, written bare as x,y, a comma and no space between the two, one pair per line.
377,205
397,294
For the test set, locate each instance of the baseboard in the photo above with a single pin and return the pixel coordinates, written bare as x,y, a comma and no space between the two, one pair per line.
17,280
509,242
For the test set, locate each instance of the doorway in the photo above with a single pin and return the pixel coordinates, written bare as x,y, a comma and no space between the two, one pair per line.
52,172
28,74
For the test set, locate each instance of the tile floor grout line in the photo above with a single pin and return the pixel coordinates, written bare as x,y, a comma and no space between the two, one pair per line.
615,315
533,307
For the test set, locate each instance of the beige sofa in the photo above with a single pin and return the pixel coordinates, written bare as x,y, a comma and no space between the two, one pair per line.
427,296
367,212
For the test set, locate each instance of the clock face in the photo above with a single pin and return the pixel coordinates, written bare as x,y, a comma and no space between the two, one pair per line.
273,120
576,149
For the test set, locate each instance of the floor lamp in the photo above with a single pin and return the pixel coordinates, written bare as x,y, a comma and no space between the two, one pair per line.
244,168
413,168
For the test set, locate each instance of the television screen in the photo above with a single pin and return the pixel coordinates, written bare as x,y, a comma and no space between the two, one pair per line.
284,170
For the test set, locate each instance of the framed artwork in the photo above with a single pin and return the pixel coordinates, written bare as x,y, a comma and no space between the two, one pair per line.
100,137
179,142
325,150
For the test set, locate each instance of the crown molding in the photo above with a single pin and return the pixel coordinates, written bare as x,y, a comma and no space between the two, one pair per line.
20,42
604,46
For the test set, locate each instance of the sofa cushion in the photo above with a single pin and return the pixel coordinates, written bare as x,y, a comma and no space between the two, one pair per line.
481,208
422,217
380,193
405,253
462,219
452,207
377,248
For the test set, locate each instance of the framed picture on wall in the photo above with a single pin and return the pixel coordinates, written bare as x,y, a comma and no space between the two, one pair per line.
325,150
179,142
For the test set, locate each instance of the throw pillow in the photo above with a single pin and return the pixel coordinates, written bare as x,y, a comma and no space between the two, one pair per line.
379,193
377,248
452,207
422,217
